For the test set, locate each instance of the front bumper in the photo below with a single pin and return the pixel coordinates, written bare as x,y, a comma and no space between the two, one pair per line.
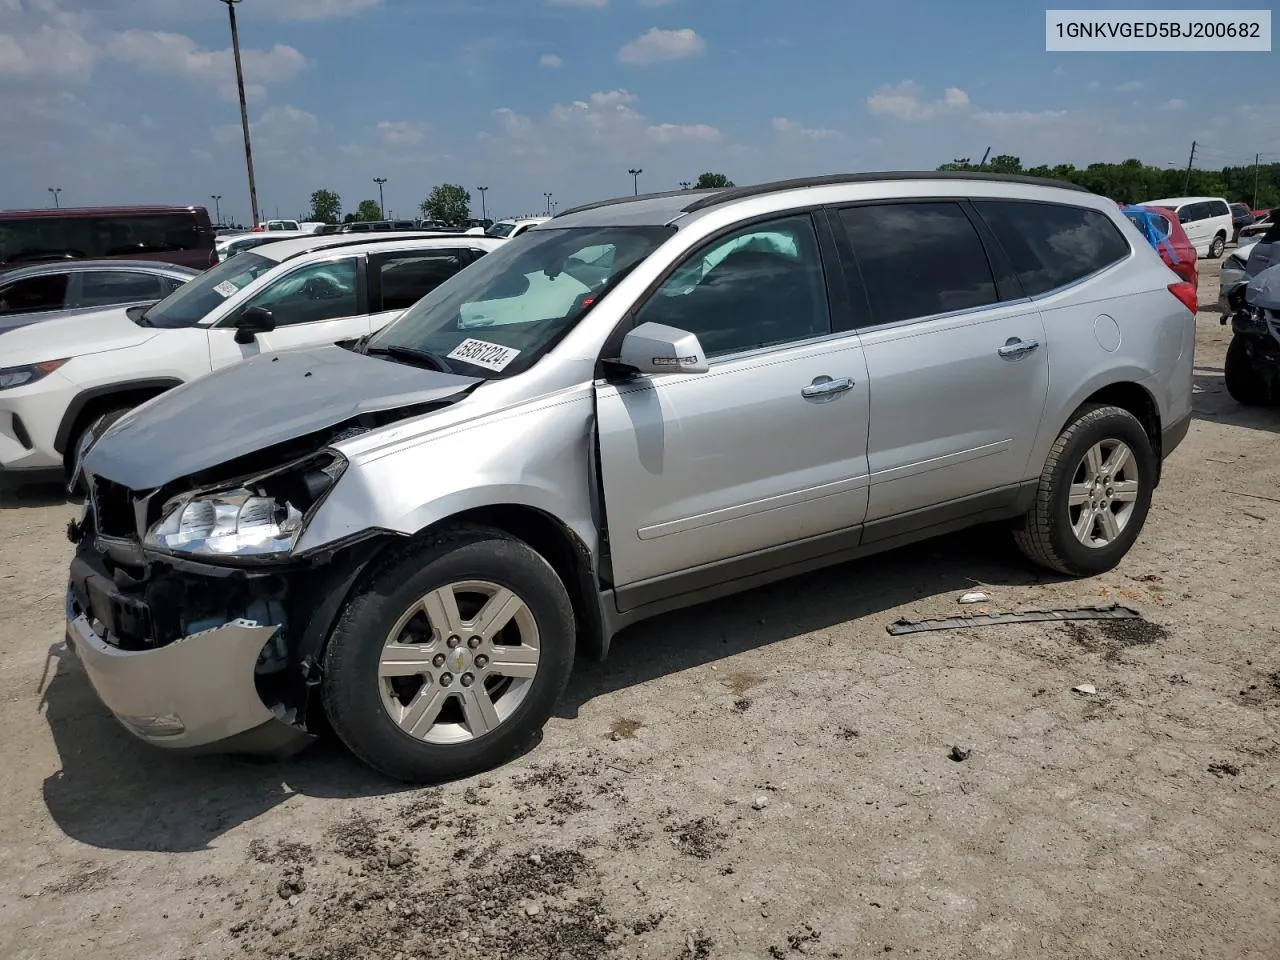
195,694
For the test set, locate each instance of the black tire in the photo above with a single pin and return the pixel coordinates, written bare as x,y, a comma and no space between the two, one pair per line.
95,424
350,688
1045,535
1243,382
1217,247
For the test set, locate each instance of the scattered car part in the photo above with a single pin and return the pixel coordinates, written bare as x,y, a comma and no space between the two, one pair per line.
1112,612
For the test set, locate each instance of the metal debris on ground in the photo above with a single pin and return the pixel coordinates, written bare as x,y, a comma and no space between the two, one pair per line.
974,596
1111,612
1085,689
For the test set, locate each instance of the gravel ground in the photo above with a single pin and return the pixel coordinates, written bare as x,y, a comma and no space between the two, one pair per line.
767,776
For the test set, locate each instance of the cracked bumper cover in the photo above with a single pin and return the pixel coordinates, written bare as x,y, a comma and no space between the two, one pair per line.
196,694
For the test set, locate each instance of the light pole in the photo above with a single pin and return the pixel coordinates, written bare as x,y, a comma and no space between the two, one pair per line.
380,181
635,177
217,206
484,210
55,191
548,196
244,110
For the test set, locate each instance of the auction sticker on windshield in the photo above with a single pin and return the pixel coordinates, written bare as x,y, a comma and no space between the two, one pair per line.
482,353
226,288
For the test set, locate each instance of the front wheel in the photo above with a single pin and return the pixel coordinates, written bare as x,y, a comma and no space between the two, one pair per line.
1093,495
451,658
1219,244
1242,379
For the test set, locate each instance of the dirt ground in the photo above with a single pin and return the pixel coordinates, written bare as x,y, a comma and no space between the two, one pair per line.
767,776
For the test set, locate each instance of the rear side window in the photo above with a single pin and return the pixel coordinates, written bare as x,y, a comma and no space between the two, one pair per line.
1193,212
48,292
1219,208
101,236
101,288
919,259
405,278
1050,244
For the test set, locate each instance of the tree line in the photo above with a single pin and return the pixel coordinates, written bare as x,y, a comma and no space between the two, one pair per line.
1134,181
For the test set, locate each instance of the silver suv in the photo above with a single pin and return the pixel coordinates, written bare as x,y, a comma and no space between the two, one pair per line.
636,406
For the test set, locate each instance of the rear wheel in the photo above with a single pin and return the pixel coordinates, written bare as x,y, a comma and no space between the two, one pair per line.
1219,244
1243,382
452,657
1094,494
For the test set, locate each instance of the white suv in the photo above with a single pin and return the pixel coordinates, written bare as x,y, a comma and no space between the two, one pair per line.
60,378
1206,220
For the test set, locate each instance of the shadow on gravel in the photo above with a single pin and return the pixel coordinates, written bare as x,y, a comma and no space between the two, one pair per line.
863,588
18,496
115,792
1211,402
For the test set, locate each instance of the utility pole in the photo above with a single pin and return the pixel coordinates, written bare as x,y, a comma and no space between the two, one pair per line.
548,196
1256,158
635,178
984,157
1190,160
217,206
382,210
484,210
55,191
244,110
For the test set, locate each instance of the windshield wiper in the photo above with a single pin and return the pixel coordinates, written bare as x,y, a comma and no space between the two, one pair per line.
420,357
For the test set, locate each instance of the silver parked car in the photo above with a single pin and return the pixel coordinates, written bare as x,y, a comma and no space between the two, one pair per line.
636,406
41,291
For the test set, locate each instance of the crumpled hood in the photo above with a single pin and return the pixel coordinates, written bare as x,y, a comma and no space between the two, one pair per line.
254,404
1264,289
76,335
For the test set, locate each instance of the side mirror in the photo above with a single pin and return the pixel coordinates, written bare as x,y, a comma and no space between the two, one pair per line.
657,348
253,321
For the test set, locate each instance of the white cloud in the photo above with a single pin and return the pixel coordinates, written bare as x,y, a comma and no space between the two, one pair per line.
1021,117
51,52
178,54
683,133
786,127
659,45
278,128
907,101
1130,86
402,133
1174,104
318,9
550,61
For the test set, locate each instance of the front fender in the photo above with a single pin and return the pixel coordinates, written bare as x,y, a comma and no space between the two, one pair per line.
534,457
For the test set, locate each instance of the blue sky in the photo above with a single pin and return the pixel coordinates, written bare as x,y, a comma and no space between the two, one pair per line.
122,102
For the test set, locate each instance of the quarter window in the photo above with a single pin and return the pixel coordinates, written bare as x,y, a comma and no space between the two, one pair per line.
919,259
758,287
320,291
1050,244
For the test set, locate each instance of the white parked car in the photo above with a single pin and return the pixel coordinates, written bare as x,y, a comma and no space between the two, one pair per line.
510,229
1206,220
62,379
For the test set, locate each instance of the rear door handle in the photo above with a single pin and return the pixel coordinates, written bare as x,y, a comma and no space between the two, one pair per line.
1015,348
825,387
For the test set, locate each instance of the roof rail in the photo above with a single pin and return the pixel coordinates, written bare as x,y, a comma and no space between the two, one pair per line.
777,186
632,199
370,236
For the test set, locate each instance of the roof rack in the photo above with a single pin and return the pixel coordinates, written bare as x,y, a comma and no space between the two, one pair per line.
777,186
643,196
369,236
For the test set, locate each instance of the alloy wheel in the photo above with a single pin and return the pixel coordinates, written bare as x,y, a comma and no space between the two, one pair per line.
1103,494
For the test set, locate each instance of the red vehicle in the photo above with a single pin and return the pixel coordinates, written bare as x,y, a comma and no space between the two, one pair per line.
181,235
1163,231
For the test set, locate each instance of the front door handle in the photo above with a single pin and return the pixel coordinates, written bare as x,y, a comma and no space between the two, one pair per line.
1015,348
825,387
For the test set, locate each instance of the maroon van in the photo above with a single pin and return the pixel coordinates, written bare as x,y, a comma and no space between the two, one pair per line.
181,235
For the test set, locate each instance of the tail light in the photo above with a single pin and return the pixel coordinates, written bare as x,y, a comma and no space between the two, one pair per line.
1185,291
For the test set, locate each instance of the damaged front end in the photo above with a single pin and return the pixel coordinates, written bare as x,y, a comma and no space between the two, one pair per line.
197,625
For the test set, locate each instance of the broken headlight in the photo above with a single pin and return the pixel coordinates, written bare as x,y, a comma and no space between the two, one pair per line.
260,519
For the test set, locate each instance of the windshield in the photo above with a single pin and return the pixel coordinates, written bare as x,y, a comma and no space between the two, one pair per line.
502,313
196,298
500,230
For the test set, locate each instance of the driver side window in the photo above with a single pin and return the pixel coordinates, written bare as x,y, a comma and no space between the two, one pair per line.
319,291
761,286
